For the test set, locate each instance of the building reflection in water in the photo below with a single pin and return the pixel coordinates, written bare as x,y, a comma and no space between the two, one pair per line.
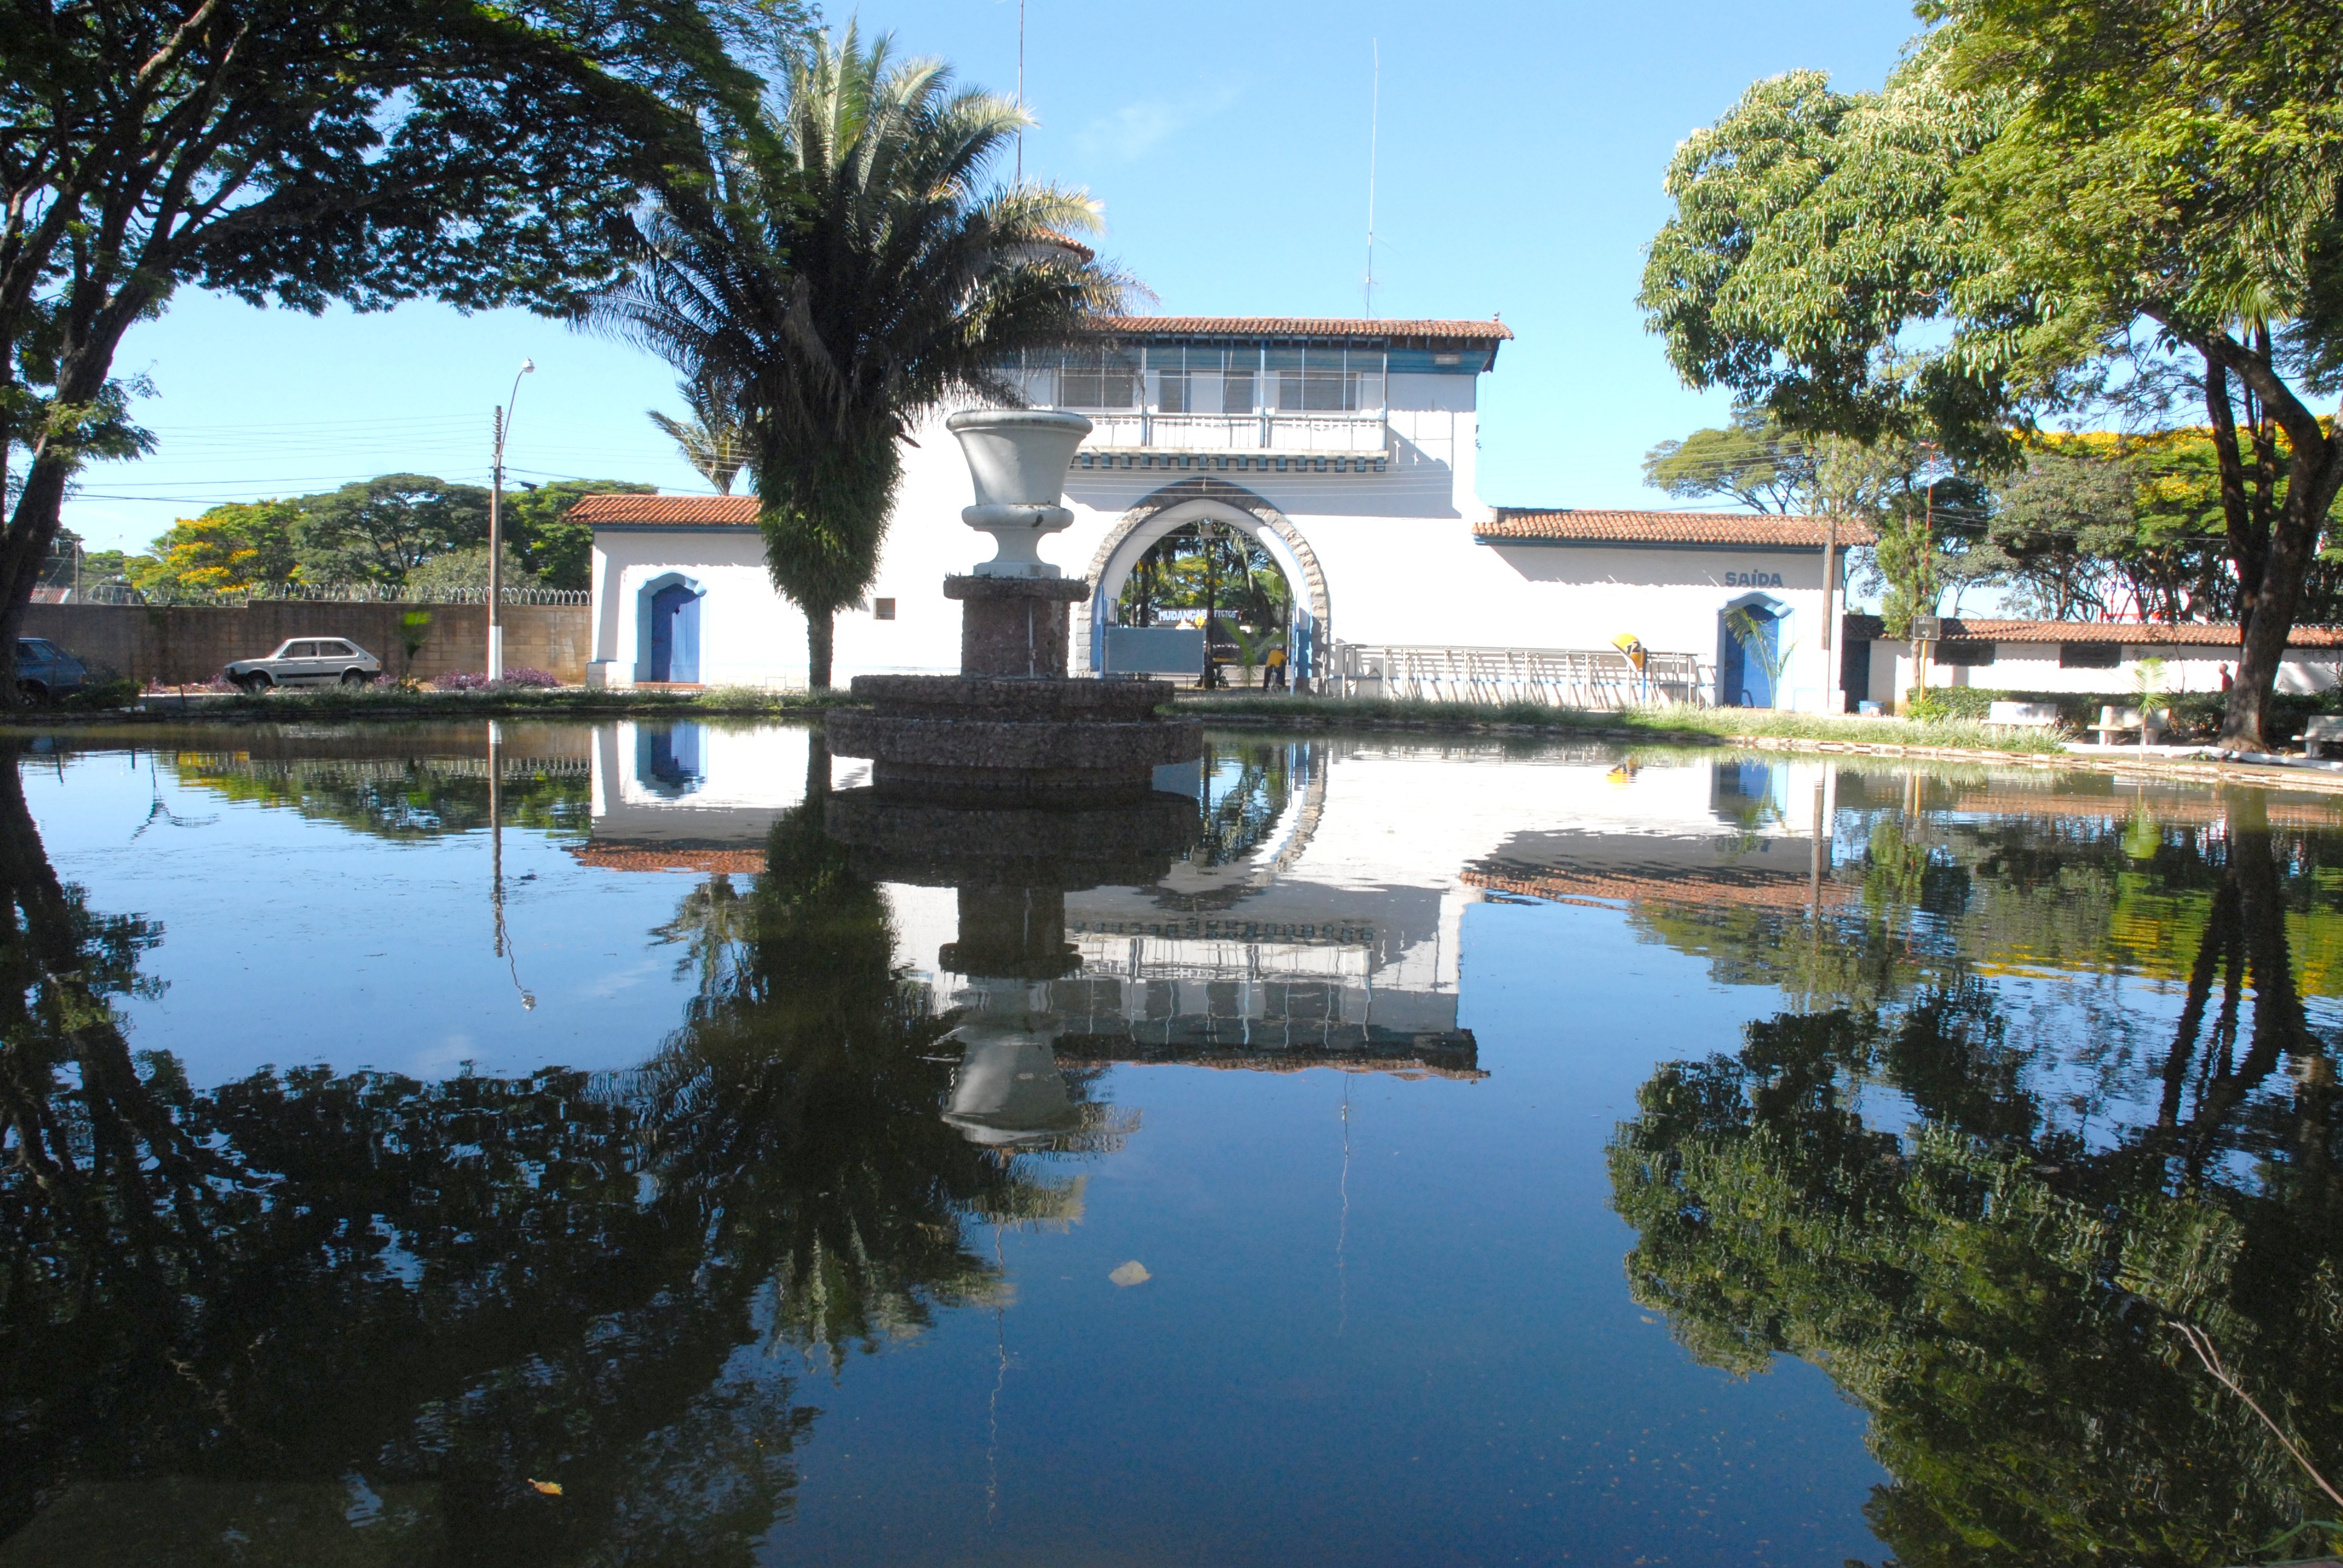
1214,924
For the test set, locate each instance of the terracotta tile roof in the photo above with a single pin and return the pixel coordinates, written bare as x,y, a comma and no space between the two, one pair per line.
669,511
1490,331
2128,633
1591,525
607,857
1564,884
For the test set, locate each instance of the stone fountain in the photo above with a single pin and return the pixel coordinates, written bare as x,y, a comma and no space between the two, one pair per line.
1011,782
1010,727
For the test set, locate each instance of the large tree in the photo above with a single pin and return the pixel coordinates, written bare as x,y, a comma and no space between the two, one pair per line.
2178,165
843,262
2071,187
303,152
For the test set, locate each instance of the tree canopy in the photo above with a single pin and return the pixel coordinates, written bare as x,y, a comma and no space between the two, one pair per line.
365,151
2047,201
843,260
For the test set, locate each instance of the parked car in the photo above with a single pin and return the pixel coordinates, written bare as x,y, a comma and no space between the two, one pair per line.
307,661
45,672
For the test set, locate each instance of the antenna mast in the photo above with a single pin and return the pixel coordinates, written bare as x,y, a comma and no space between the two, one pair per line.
1374,127
1021,90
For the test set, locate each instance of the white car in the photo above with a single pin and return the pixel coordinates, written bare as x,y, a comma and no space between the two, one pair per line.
307,661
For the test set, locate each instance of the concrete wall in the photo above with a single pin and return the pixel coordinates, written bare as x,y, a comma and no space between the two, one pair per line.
176,644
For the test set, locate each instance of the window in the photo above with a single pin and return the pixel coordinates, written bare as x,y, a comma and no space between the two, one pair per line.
1964,653
1105,378
2089,655
882,610
1326,380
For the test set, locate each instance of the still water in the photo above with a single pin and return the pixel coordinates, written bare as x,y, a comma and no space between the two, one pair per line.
567,1149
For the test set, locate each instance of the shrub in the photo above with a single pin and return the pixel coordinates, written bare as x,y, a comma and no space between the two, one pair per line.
1969,703
519,675
101,693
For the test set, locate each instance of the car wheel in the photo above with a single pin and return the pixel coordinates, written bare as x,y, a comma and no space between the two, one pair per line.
353,678
34,692
256,684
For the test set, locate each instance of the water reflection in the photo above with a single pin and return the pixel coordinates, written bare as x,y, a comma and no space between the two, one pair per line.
1995,1274
2040,1064
308,1317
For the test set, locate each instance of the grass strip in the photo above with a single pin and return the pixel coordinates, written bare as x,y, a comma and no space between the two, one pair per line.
1658,723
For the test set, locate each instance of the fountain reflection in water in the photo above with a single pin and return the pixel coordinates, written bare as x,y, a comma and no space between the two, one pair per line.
1012,783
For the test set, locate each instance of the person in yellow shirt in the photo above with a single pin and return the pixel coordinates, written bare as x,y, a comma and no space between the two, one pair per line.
1274,679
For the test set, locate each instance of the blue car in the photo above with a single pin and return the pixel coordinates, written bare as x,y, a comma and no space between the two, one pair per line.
45,672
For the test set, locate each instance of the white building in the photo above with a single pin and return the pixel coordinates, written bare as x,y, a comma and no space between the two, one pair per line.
2079,658
1347,449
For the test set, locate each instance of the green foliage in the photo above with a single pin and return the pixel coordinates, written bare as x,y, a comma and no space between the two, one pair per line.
1940,703
465,572
1754,460
361,151
233,546
1207,563
1810,238
556,552
380,530
836,265
711,440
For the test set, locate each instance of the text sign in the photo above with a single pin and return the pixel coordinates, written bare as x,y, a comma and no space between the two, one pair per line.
1753,579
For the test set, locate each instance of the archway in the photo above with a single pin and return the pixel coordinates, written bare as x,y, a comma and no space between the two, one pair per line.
1751,651
669,633
1190,500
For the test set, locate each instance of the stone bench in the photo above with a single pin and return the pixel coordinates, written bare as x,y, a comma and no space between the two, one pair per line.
2114,721
2023,715
2323,732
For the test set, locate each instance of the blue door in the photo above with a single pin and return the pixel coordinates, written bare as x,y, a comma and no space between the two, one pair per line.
1752,640
675,634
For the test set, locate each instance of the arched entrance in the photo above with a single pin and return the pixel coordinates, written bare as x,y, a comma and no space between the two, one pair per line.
670,632
1190,500
1751,650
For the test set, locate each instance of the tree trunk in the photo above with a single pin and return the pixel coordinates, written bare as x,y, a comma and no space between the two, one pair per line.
24,549
821,634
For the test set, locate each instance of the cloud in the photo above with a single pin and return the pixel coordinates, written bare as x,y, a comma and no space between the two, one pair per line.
1134,130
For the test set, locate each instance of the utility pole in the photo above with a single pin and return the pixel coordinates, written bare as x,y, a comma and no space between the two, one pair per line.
1021,90
502,424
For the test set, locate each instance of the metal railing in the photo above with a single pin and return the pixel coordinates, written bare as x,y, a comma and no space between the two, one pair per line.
1266,431
1559,676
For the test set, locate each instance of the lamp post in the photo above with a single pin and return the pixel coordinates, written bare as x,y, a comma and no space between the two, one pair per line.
496,530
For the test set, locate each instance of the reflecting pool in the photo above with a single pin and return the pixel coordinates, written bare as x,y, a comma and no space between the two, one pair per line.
622,1144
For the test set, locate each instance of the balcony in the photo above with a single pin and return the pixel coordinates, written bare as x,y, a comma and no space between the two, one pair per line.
1280,440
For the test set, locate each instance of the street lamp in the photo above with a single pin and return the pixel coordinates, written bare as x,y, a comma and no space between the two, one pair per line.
496,531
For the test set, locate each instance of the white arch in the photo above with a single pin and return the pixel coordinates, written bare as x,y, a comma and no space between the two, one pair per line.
1193,500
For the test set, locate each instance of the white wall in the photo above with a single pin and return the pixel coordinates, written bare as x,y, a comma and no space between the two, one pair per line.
2034,666
1401,565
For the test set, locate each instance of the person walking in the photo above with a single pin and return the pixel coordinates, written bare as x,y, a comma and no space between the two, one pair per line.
1274,679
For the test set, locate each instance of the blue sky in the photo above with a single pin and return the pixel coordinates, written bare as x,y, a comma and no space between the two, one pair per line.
1521,151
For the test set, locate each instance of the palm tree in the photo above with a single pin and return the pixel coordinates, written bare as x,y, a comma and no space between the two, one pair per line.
841,266
711,440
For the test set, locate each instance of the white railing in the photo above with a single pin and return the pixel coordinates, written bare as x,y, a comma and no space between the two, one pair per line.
1362,434
1559,676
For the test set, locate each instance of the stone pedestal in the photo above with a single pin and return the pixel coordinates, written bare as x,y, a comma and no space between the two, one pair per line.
1014,627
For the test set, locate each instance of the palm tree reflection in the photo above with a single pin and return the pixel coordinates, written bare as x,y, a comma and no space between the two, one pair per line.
362,1317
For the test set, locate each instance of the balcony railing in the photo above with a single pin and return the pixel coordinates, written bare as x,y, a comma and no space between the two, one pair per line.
1262,432
1141,438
